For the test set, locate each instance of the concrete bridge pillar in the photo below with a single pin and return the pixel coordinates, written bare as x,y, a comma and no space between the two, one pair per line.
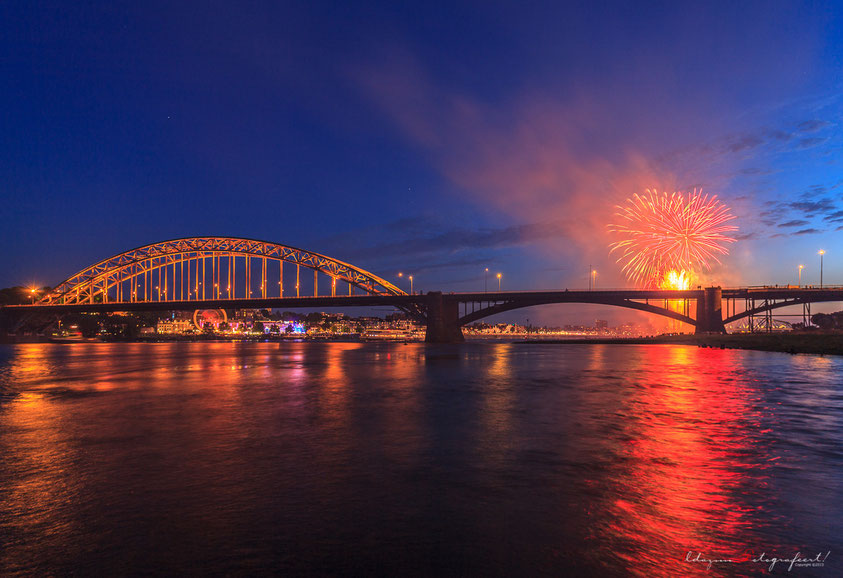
443,320
710,311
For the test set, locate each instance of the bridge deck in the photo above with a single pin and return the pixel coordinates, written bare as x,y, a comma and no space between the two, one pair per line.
525,297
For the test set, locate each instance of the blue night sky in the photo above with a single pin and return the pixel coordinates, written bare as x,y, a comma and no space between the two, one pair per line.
433,139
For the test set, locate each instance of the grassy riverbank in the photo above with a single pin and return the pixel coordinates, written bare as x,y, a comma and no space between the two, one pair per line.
821,343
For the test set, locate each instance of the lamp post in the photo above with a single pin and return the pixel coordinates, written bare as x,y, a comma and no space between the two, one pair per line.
410,277
822,252
32,295
594,279
800,275
499,281
486,281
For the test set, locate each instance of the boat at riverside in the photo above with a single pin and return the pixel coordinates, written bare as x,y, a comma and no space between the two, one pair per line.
72,338
392,335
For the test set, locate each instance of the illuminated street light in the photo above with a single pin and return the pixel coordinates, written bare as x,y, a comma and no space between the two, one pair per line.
800,275
410,277
822,252
486,281
499,281
594,278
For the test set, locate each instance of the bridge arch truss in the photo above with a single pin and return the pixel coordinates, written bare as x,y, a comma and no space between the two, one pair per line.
203,268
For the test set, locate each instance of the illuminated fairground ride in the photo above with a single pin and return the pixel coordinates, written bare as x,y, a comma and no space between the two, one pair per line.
209,268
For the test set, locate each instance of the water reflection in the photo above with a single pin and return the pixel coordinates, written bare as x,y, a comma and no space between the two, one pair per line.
691,454
497,438
36,500
489,459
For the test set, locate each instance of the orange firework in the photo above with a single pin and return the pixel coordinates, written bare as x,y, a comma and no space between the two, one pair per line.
660,233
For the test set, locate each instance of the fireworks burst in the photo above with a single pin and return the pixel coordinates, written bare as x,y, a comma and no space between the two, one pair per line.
661,233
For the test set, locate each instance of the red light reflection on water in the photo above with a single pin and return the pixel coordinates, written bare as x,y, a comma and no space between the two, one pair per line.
685,464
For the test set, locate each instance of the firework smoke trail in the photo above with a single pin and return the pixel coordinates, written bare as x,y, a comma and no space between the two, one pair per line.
660,232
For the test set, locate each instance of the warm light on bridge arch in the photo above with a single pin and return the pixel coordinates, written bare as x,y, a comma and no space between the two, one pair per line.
202,268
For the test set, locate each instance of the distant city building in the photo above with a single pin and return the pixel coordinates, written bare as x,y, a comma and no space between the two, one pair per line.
245,314
170,326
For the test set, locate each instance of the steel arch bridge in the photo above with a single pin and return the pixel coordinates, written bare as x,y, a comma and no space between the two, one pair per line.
233,272
208,268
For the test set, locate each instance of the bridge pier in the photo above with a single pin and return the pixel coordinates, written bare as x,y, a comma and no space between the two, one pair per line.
710,311
442,320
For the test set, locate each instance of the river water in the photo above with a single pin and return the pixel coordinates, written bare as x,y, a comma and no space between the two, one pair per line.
483,459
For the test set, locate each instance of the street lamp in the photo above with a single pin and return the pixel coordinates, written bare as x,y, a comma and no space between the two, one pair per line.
800,275
499,281
594,278
486,281
410,277
32,294
822,252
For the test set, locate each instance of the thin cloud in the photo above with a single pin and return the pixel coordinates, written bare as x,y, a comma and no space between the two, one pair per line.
796,223
835,216
812,125
823,205
745,142
755,171
439,247
810,142
778,135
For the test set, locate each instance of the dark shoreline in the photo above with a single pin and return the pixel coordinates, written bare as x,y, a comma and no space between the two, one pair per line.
816,343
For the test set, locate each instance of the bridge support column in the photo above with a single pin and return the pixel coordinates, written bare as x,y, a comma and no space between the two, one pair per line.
710,311
442,320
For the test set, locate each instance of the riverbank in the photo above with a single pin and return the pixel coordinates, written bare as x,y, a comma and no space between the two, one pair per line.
817,343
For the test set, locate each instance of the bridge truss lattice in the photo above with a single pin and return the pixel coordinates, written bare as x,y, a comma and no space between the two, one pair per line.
203,268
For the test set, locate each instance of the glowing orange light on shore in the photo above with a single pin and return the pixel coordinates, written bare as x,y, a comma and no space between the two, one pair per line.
661,232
